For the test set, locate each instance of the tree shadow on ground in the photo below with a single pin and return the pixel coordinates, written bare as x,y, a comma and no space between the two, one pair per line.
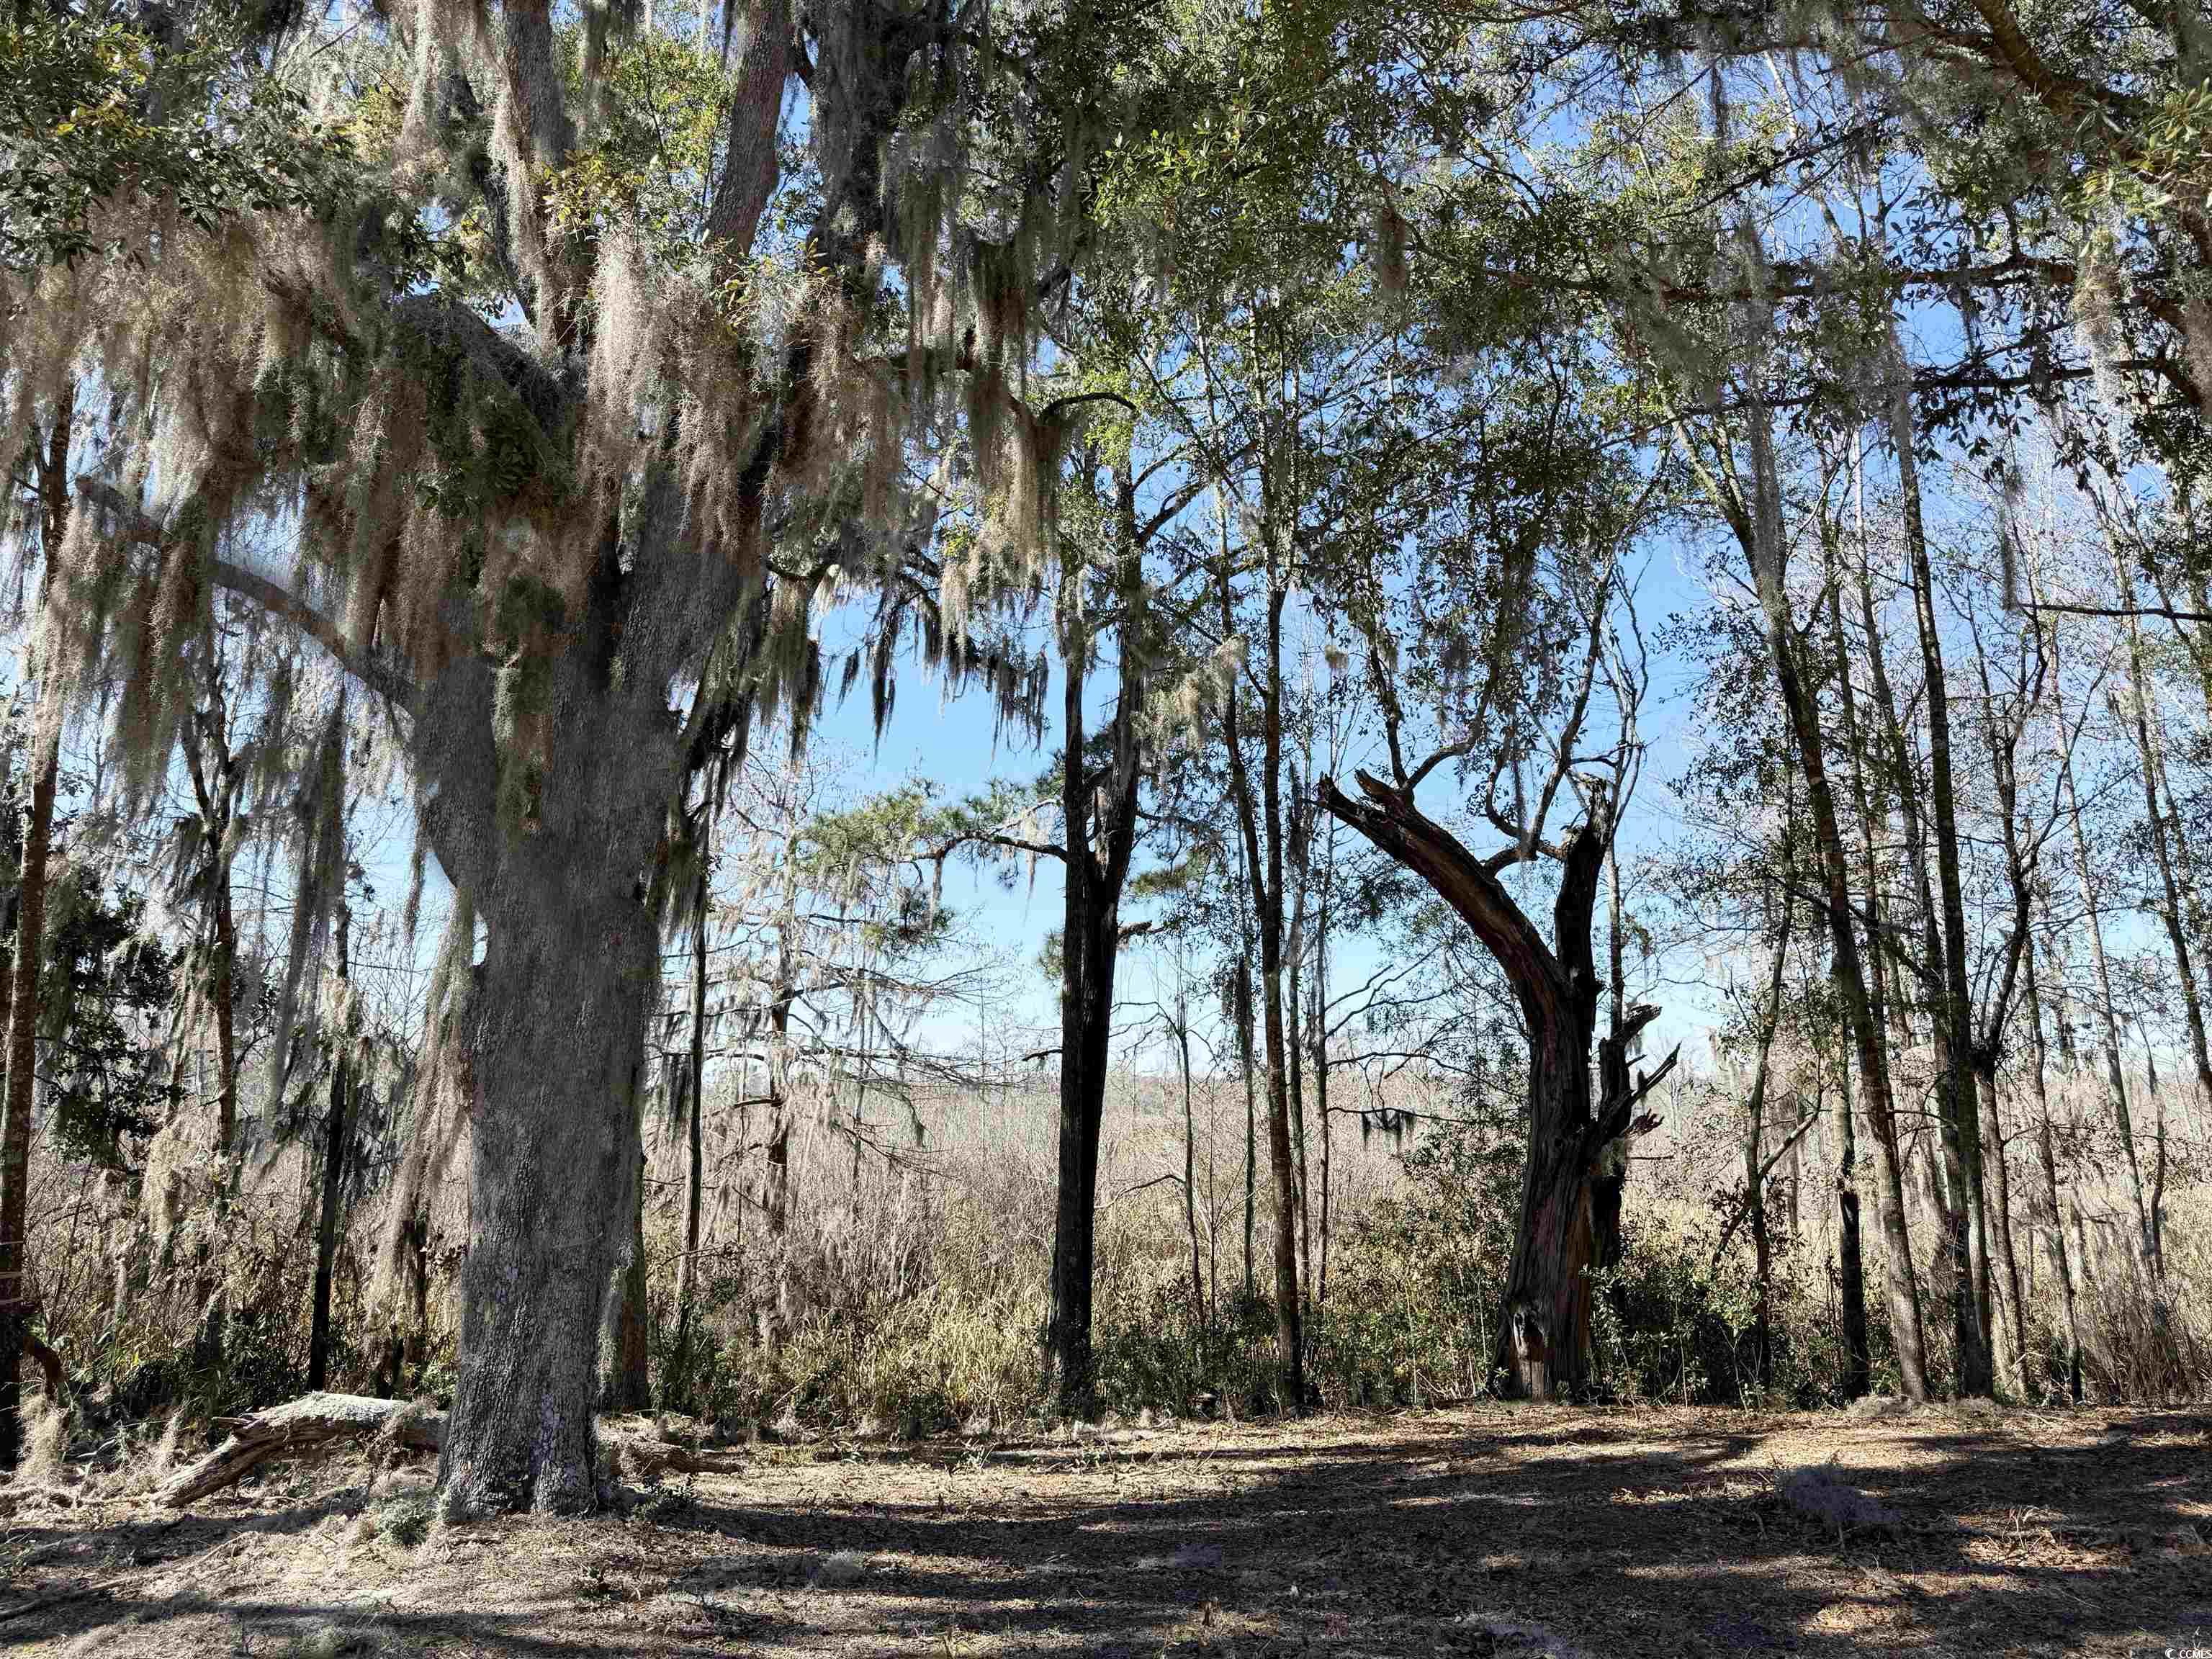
1625,1534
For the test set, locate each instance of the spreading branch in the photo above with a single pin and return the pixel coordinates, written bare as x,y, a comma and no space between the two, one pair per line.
380,676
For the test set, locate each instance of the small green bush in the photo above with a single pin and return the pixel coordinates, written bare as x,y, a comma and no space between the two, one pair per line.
405,1520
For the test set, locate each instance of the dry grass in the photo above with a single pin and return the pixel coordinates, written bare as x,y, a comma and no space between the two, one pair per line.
46,1447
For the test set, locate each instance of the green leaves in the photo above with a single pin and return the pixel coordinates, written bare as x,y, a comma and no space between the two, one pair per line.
99,117
648,164
109,979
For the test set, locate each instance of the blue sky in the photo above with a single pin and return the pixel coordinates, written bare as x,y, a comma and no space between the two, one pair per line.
953,742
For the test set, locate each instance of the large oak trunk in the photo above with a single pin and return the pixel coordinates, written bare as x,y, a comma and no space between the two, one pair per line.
559,1021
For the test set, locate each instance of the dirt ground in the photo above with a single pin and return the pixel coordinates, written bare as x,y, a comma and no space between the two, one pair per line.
1490,1530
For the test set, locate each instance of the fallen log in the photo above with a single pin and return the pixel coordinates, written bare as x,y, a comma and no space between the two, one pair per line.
649,1457
317,1420
298,1426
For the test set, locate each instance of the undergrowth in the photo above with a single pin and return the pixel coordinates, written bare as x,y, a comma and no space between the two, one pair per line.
917,1306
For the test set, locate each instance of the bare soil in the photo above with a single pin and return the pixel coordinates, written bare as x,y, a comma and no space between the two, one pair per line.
1488,1530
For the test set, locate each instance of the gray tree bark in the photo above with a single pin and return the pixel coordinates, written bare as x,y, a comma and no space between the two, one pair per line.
15,1303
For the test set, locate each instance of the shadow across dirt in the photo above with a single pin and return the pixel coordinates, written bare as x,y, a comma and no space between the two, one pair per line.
1659,1532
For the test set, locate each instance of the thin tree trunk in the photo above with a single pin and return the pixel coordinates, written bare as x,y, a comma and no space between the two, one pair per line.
1098,822
2047,1153
1754,1184
2082,1251
2181,911
2115,1087
1189,1162
1961,1118
776,1198
1087,949
2021,863
1794,1180
1858,1350
2166,855
2158,1173
2007,1259
223,989
16,1305
206,739
1249,1060
1930,974
1263,868
335,1129
1294,1059
687,1272
1293,1045
1759,529
1851,1261
1319,1002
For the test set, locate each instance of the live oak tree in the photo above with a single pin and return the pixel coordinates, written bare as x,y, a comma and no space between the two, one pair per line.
525,536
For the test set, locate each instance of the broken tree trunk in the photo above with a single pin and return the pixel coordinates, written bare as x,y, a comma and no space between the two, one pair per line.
1568,1193
49,1367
